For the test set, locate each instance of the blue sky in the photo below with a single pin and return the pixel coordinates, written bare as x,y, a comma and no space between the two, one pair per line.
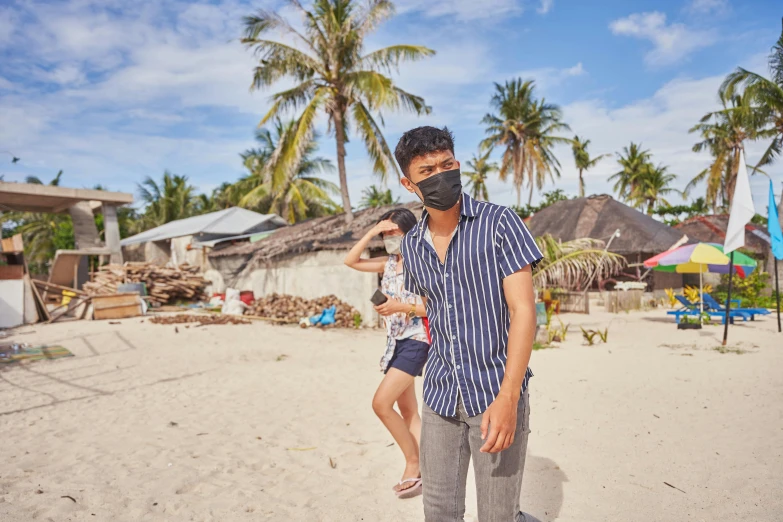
113,91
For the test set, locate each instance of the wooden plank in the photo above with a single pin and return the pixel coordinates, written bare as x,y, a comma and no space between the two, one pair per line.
120,312
118,306
11,271
30,306
71,305
43,313
47,284
64,268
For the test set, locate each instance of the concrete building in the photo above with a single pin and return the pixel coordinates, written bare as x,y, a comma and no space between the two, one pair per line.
81,204
190,240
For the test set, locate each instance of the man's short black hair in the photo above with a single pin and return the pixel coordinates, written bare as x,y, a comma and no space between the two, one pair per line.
420,142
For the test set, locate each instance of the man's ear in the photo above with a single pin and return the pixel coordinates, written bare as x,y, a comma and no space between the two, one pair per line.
405,182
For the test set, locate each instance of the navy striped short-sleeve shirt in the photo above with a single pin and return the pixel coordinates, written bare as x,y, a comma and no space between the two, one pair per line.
466,308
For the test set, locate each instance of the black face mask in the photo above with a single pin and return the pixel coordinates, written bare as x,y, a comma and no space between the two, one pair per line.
441,191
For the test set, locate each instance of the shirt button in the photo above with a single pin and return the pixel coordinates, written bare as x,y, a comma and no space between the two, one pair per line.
449,306
453,337
458,366
447,276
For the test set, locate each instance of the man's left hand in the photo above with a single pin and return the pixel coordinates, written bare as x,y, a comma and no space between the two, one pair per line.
500,419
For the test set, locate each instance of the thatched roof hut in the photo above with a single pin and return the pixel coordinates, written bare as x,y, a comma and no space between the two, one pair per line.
712,229
313,235
305,260
598,217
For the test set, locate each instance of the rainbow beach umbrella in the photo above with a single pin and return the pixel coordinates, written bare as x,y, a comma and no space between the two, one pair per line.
698,259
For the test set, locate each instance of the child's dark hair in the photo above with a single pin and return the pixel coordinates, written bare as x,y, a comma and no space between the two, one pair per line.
421,141
402,217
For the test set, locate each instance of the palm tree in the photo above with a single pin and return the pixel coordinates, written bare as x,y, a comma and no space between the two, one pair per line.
480,169
635,164
571,264
524,127
276,185
35,180
374,197
583,160
653,187
767,94
334,75
173,199
724,133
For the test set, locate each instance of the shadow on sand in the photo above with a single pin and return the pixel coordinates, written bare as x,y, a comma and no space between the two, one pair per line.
542,488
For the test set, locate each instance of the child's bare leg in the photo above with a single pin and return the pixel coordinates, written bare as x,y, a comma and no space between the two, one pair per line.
390,390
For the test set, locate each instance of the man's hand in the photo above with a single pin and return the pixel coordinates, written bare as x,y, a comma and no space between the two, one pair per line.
392,306
501,420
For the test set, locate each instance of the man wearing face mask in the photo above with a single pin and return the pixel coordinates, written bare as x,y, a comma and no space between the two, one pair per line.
406,344
472,264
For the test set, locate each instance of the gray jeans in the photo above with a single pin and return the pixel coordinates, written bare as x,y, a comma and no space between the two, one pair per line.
447,444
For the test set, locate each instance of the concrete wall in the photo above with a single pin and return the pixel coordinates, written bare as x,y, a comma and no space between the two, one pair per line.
310,275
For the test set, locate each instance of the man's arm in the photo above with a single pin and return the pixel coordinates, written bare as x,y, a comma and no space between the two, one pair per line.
501,416
517,256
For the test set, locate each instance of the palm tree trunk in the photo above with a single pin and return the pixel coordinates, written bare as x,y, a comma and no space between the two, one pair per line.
339,130
650,205
532,185
581,185
518,187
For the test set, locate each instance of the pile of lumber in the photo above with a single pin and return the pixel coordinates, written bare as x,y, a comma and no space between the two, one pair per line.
290,309
164,284
202,319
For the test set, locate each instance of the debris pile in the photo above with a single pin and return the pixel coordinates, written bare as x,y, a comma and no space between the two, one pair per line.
202,319
164,284
290,309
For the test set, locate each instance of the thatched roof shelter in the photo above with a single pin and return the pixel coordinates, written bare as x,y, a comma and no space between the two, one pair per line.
325,233
712,229
598,217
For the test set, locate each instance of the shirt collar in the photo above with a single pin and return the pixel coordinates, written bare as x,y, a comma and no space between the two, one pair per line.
467,209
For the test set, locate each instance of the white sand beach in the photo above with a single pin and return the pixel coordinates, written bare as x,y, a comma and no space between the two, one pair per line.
235,423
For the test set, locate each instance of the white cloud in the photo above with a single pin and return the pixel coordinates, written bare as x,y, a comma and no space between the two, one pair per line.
708,6
549,77
545,7
463,10
671,42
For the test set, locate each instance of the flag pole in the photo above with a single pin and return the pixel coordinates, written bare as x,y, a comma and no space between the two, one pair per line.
728,298
777,291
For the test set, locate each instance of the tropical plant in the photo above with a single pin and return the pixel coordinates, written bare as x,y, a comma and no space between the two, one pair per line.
374,197
767,95
672,296
524,127
583,161
635,164
550,198
693,294
588,335
35,180
170,200
724,133
653,187
479,169
571,264
698,207
284,183
333,74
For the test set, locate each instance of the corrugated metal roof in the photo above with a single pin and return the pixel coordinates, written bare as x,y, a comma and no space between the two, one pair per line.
232,221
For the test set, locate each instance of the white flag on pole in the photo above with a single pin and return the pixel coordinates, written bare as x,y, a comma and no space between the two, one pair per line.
742,210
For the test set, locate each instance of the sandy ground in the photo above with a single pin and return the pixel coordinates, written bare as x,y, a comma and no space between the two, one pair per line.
235,423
